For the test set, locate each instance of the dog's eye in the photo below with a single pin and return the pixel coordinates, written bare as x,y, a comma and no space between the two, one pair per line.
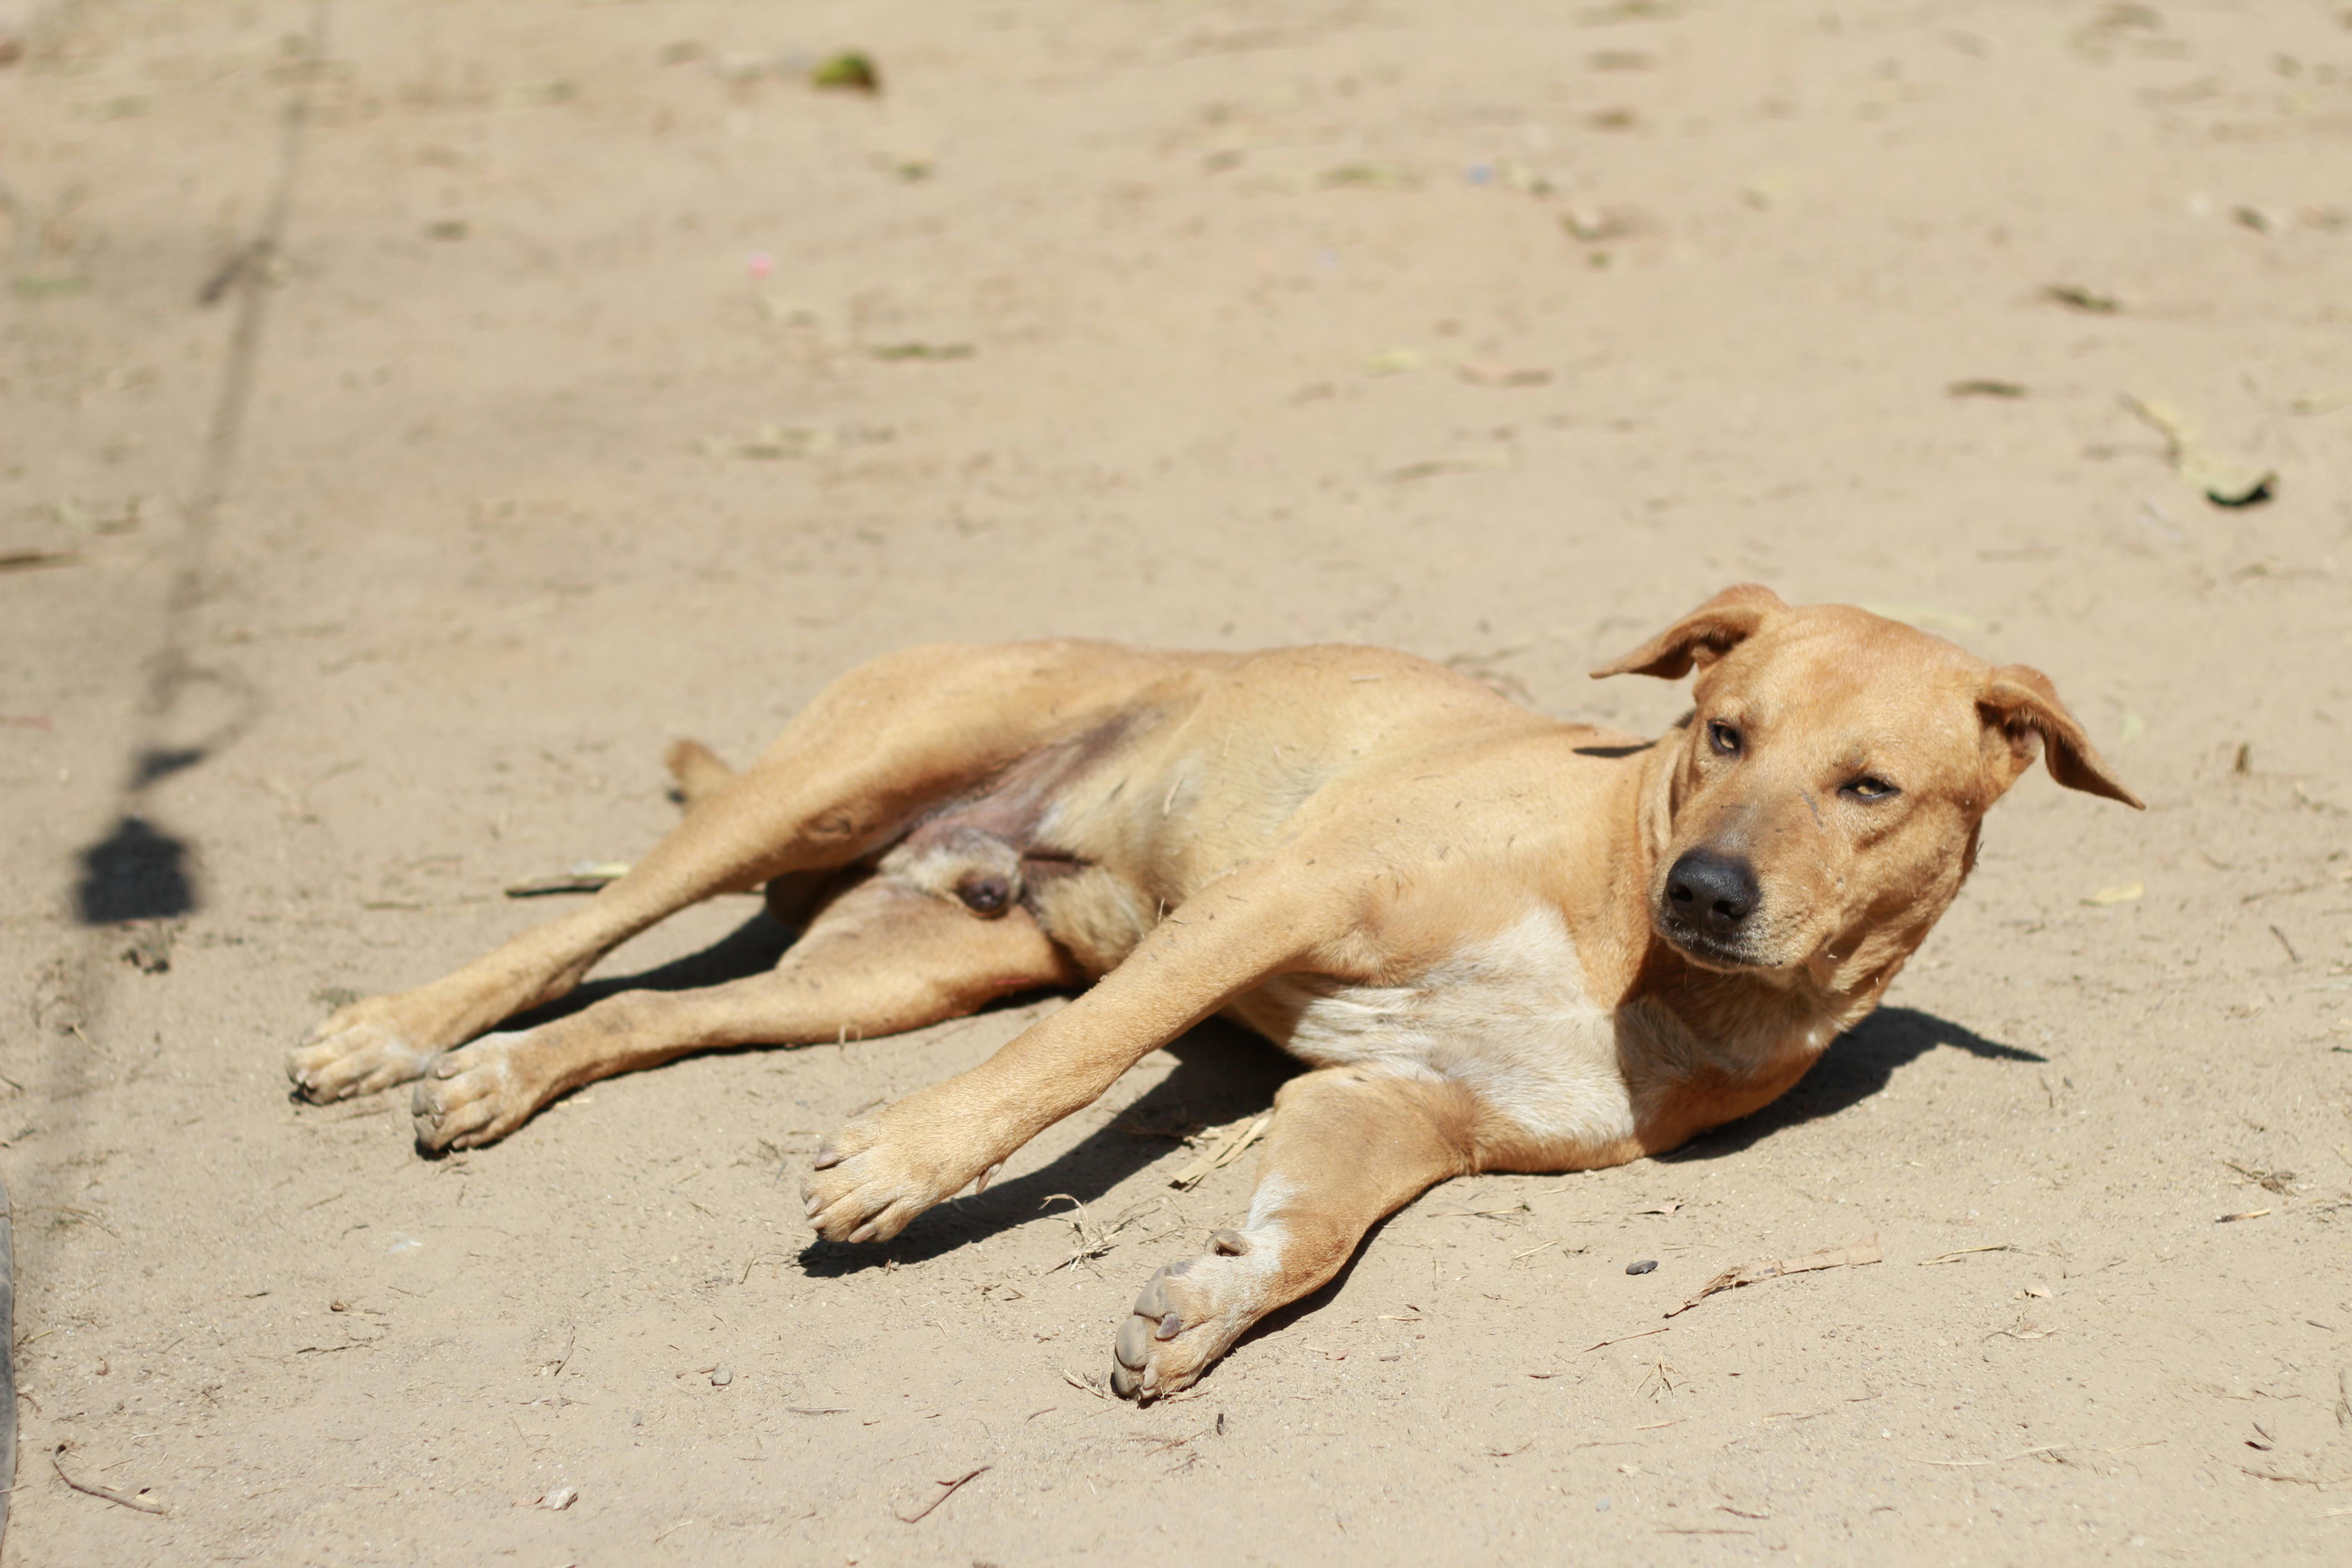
1868,788
1722,738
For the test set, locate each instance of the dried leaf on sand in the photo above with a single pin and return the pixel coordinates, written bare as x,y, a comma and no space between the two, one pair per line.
848,71
586,877
1985,386
1221,1147
2076,298
2224,481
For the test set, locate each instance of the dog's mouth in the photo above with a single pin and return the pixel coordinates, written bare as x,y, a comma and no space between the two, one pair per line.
1706,948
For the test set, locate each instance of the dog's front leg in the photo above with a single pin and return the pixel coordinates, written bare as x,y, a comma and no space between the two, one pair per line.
1348,1145
878,1173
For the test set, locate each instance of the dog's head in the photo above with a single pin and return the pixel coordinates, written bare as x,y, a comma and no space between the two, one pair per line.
1822,800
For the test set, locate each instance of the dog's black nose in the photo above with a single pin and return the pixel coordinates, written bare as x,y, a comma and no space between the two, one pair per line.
1714,892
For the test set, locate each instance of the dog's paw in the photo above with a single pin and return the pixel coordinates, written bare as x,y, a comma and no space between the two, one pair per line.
359,1049
877,1173
478,1093
1189,1313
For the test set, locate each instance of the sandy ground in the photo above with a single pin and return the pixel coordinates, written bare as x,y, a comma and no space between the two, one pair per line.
1503,333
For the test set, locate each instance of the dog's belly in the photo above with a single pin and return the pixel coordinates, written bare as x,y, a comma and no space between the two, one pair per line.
1506,1017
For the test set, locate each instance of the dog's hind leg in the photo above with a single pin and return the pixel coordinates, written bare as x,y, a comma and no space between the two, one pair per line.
846,777
1348,1145
881,957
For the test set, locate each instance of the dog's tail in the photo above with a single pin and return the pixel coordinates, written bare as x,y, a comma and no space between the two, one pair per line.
698,770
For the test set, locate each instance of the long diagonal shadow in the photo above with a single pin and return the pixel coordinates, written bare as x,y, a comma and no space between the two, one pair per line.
137,869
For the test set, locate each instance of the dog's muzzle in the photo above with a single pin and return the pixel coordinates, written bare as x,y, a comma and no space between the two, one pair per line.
1706,905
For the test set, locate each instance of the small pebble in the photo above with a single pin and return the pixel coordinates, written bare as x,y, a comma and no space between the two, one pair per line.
560,1498
1643,1267
721,1378
1601,1506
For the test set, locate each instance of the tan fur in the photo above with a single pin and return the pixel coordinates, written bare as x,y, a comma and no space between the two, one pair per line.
1458,910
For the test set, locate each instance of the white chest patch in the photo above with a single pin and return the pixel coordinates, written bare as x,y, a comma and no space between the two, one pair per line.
1506,1017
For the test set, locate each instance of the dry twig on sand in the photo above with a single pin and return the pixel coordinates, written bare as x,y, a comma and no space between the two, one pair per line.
1852,1255
953,1488
2269,1180
2005,1458
1512,1214
1968,1252
1088,1241
126,1500
2323,1483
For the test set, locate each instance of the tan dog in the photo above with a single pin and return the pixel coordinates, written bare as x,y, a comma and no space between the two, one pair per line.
1503,943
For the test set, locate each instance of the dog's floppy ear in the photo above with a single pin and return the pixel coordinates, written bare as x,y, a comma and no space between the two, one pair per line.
1701,637
2019,701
